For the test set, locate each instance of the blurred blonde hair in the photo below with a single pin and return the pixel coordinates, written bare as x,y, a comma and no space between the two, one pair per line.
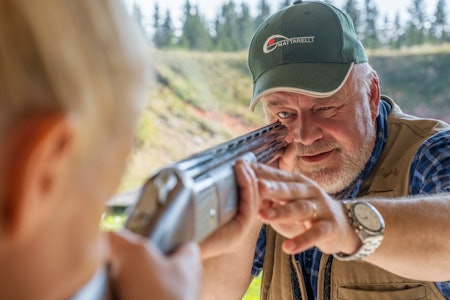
80,57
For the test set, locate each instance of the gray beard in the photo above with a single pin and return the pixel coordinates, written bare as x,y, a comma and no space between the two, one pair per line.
336,180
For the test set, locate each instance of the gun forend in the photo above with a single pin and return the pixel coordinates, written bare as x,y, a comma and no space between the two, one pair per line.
188,200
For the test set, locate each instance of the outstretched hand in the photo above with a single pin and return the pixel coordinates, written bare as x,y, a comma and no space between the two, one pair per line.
297,208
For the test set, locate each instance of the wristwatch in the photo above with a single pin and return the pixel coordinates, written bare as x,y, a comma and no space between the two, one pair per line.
369,226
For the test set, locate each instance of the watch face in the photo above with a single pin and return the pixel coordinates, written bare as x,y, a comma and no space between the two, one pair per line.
367,217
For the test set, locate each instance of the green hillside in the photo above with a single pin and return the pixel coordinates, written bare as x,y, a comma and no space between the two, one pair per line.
417,79
200,99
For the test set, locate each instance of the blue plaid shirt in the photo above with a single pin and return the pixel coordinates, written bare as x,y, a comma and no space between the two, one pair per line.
430,173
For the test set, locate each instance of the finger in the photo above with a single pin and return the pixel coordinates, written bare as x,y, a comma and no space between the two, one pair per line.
315,236
266,204
281,191
244,223
248,186
295,211
288,160
263,171
139,268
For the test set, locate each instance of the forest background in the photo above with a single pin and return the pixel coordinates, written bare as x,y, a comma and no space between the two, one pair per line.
232,27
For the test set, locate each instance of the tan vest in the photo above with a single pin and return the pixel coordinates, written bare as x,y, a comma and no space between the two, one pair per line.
359,280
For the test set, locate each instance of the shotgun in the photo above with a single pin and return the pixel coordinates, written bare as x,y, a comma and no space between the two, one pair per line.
189,199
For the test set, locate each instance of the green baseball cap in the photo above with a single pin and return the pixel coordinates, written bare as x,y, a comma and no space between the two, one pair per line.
308,47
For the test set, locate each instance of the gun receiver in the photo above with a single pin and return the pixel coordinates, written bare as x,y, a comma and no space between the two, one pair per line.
188,200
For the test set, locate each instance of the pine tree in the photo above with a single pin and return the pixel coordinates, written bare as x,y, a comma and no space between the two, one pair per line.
194,32
397,35
415,29
370,36
263,12
285,3
167,30
385,32
227,32
246,26
157,33
438,29
352,9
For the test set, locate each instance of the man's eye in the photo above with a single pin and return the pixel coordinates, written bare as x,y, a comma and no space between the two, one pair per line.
283,115
325,108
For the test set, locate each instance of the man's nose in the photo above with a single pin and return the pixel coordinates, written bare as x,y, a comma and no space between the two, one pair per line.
306,130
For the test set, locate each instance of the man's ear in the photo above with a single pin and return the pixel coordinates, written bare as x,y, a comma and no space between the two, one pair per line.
37,159
374,96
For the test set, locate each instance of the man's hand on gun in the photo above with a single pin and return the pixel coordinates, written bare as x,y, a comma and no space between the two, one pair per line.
300,210
139,275
229,236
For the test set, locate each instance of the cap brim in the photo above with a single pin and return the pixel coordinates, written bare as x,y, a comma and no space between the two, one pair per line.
312,79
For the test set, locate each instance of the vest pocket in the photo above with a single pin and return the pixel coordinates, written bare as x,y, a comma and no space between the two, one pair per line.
410,293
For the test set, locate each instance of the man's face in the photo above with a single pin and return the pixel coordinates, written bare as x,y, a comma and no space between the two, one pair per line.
331,138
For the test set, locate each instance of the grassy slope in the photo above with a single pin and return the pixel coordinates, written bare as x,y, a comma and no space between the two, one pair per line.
418,79
199,100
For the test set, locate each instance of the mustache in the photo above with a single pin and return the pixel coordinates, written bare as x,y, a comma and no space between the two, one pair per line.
317,147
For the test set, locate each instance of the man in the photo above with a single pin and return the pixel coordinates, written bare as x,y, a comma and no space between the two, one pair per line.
71,86
359,207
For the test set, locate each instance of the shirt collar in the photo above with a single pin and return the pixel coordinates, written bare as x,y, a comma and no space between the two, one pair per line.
382,132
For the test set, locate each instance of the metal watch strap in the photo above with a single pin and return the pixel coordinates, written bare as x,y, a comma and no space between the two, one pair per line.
369,243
